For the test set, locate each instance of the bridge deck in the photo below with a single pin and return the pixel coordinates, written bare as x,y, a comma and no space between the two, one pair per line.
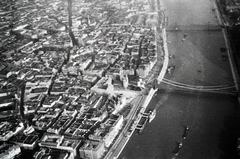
194,27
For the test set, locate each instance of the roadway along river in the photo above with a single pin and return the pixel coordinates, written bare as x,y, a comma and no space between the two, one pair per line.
212,118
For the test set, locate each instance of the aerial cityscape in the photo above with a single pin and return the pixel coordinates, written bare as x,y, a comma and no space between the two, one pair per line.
126,79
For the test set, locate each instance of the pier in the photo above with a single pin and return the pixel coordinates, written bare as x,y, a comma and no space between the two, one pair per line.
146,117
141,125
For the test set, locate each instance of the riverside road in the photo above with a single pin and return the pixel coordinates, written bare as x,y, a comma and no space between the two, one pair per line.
198,60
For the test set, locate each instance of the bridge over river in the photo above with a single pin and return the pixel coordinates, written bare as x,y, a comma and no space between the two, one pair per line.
194,27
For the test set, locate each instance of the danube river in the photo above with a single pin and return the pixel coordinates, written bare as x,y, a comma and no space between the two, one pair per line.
212,117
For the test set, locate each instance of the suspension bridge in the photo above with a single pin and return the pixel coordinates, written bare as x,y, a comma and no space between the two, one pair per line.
194,27
224,89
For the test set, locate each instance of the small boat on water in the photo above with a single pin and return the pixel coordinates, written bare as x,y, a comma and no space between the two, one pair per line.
152,115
